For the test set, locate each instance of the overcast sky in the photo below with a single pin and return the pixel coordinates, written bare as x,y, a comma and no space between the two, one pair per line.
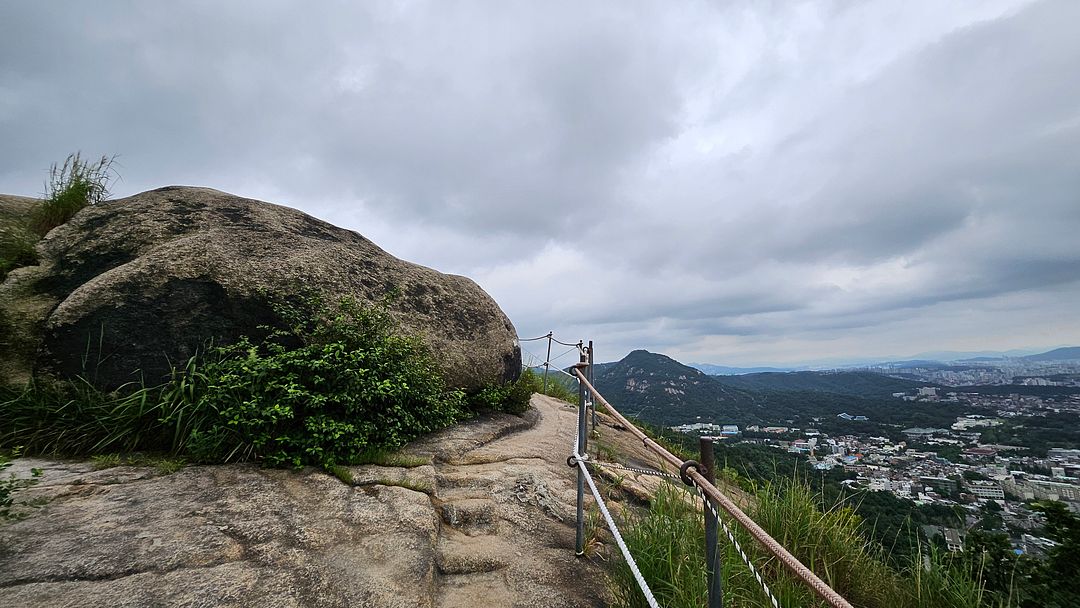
728,182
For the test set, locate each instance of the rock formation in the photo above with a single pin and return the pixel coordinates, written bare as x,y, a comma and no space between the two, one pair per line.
135,285
486,520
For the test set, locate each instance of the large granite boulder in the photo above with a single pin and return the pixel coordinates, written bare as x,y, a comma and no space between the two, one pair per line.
134,285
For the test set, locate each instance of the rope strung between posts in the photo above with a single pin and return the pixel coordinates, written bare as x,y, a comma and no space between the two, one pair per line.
563,372
577,346
549,336
543,337
634,469
577,458
557,357
536,361
738,547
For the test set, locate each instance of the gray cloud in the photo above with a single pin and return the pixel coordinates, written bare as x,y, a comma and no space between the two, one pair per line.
733,183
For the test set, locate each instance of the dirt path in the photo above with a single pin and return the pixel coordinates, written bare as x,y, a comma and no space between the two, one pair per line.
488,521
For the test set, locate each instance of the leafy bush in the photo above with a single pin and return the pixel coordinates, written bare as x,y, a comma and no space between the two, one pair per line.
10,484
337,384
71,186
332,387
510,397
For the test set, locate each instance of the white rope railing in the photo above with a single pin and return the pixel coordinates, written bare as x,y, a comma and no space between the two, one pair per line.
690,474
615,531
738,547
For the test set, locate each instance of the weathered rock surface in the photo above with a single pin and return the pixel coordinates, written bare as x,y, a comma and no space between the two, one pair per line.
137,283
488,522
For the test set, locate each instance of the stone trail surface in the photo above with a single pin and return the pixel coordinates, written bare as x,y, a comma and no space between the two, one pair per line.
488,521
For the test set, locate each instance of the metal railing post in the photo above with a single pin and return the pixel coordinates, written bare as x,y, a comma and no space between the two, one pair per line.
582,436
547,361
712,553
589,375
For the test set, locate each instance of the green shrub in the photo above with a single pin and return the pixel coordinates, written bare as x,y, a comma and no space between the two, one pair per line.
337,384
71,186
509,397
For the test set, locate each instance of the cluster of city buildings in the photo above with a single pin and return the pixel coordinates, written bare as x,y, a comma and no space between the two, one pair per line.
707,428
982,474
976,474
991,372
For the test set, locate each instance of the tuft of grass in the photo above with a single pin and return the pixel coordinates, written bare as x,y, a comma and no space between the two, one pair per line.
16,249
166,465
75,418
558,386
105,461
71,187
668,543
391,459
342,473
415,486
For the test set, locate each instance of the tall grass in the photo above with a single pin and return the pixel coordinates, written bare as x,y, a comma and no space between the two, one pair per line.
16,249
668,545
558,387
77,418
71,186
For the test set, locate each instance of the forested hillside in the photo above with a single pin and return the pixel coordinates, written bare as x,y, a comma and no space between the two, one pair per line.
662,391
857,383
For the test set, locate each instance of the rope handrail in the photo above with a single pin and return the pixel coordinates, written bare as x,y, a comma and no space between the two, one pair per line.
820,587
640,471
577,346
580,462
551,336
543,337
738,547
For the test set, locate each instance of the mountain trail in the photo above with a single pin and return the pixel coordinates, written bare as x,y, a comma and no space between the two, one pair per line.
487,520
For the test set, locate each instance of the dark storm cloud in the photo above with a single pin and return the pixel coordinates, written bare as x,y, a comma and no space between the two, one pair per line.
722,178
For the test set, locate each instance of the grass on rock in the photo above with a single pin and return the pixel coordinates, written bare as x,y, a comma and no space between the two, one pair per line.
71,187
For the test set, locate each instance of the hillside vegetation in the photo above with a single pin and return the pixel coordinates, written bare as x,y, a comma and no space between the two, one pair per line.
855,383
662,391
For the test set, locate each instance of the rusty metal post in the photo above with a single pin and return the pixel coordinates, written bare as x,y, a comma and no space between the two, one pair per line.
547,361
712,553
582,449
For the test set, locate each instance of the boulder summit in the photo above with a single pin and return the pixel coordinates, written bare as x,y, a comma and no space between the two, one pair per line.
135,285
